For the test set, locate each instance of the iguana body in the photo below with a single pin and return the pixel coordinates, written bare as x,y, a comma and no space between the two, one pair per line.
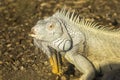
84,43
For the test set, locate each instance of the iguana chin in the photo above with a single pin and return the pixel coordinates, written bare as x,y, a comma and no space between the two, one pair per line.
89,46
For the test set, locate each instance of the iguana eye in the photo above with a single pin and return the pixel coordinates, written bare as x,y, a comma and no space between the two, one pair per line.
51,27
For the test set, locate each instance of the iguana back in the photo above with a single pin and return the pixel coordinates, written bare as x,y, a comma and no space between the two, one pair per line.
102,45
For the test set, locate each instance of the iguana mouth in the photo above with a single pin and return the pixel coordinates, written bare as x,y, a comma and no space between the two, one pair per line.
32,34
37,37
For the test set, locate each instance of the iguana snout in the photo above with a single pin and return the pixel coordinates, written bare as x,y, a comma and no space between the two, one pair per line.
47,30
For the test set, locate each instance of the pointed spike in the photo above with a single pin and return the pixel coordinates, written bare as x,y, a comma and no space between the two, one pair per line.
64,11
77,16
78,19
93,24
74,19
84,23
61,10
68,14
89,24
71,18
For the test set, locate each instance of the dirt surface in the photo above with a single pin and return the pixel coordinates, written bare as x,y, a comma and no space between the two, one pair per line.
19,60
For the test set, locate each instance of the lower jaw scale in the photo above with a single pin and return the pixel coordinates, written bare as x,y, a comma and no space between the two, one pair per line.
32,35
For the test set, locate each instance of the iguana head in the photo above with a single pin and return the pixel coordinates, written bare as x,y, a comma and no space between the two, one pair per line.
54,31
47,30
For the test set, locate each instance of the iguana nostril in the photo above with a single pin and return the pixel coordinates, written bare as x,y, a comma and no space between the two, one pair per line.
32,31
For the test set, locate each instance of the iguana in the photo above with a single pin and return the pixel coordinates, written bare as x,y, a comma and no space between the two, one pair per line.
89,46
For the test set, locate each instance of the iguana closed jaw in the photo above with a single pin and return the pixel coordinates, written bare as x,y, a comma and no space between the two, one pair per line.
34,34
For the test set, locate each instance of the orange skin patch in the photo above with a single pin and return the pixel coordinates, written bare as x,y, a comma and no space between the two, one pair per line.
55,64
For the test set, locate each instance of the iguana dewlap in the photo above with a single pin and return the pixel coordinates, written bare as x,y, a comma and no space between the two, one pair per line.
84,43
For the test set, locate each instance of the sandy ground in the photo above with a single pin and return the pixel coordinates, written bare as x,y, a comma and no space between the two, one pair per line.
19,60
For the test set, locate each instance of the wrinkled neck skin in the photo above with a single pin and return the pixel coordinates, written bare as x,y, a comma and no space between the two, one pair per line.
43,46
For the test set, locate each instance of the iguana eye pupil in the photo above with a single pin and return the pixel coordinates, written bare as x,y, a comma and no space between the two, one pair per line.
50,27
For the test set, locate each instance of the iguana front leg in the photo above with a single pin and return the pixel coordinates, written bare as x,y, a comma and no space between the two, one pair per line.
82,64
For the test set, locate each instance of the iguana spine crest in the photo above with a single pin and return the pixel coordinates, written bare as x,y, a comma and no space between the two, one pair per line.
84,23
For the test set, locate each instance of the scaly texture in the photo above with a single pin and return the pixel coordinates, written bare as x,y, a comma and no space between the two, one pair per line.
84,43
